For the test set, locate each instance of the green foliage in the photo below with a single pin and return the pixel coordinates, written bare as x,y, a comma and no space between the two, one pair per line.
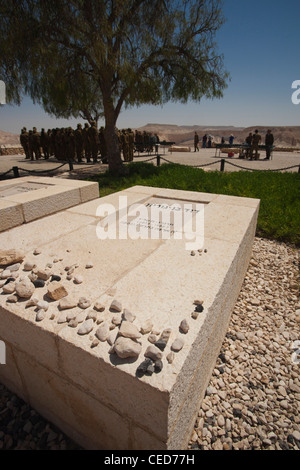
90,58
279,193
85,53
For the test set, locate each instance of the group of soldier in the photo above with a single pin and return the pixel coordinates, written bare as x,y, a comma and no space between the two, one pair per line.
64,143
67,144
254,140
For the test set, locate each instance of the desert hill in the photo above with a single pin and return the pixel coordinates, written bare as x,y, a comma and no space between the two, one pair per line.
7,138
285,136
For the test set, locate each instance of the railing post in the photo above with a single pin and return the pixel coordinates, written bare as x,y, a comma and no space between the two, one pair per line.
222,164
158,160
16,171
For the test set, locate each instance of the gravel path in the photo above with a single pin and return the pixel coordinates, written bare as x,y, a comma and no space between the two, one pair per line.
253,398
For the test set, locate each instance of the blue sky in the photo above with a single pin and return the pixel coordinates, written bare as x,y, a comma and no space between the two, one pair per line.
260,41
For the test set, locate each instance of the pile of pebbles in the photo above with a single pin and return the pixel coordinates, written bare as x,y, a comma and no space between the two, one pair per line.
46,292
252,400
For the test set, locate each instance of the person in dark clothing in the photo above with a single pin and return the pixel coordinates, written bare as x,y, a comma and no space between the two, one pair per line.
24,140
196,142
269,141
249,143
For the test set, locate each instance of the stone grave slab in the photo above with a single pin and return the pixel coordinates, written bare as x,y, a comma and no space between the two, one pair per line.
55,360
23,200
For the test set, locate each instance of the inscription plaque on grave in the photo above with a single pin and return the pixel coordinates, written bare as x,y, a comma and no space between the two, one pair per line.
21,188
156,219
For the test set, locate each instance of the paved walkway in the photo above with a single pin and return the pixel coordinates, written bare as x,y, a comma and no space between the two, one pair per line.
281,160
207,156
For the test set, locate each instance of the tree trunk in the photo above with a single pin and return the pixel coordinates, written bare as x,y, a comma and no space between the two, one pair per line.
115,163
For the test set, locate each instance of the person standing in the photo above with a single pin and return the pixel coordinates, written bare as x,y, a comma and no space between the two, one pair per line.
86,142
269,141
94,141
254,147
44,144
204,141
24,141
79,143
36,143
196,142
125,145
249,143
130,144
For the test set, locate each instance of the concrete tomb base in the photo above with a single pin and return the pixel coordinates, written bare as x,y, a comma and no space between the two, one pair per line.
31,197
122,294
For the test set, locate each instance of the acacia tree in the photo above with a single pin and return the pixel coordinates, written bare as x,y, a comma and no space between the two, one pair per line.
95,57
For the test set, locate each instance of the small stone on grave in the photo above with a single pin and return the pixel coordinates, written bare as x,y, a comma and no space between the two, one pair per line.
84,303
117,319
126,348
184,326
42,304
38,283
14,267
32,302
29,266
8,257
177,345
25,288
128,330
116,306
153,353
103,331
56,291
67,302
128,316
78,279
158,366
146,327
142,368
170,357
99,307
40,316
9,288
86,327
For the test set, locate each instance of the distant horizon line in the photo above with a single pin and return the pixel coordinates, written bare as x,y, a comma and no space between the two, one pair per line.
191,126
